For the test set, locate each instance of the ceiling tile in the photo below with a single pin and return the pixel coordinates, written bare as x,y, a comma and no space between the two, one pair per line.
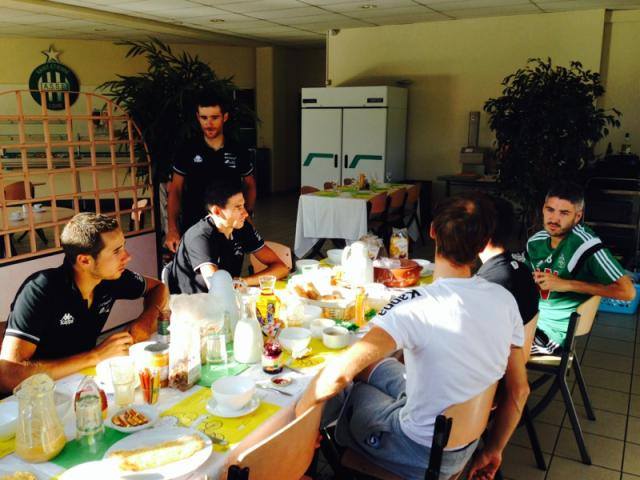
493,11
474,4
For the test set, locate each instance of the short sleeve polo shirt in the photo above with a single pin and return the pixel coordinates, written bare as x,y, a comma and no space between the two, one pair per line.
201,165
49,310
517,279
204,244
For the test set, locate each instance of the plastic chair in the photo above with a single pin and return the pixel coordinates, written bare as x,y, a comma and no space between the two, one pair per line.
282,252
395,210
16,191
329,185
556,368
307,189
410,214
286,454
458,426
138,213
376,212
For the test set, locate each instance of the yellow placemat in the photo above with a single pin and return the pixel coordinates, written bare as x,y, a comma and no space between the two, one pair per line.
319,354
230,429
7,447
88,371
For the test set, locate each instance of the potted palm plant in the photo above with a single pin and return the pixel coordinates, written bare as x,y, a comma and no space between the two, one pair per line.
546,124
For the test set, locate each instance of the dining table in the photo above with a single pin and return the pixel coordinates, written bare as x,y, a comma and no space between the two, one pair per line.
340,213
18,218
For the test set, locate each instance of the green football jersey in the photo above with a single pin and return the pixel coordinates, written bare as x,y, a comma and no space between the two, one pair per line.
579,256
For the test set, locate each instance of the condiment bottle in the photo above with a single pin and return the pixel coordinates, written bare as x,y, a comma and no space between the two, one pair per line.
164,320
268,307
88,405
272,357
359,310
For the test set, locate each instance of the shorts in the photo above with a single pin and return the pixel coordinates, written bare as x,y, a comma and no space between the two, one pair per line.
543,345
369,422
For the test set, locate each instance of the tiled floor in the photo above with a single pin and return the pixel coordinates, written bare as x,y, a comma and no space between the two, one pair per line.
610,357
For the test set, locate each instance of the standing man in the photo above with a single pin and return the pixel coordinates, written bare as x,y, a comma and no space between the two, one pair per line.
456,344
58,313
570,264
205,159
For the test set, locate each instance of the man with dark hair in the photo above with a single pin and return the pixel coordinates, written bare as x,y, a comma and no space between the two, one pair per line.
498,266
58,313
219,241
570,264
455,346
206,158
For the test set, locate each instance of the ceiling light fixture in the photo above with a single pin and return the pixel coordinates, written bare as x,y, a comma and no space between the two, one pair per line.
368,6
217,20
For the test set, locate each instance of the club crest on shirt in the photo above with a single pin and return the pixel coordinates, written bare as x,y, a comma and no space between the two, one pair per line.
230,159
105,307
67,319
561,263
197,159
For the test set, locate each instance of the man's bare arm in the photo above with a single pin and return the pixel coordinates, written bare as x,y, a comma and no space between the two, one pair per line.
621,289
337,375
173,211
275,266
155,300
16,359
250,192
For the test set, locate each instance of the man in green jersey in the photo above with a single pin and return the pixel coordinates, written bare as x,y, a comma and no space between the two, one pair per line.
570,264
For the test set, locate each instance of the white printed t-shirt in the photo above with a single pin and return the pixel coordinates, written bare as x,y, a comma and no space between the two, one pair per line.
456,335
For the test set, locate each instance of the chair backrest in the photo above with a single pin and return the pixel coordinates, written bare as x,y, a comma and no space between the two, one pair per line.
377,204
529,334
470,418
587,310
397,199
413,195
137,209
16,191
307,189
287,453
329,185
282,252
347,181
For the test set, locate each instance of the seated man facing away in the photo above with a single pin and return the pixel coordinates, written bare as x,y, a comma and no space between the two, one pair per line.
58,313
499,267
570,264
456,334
219,241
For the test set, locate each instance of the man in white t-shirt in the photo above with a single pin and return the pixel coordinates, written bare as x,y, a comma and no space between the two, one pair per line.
457,336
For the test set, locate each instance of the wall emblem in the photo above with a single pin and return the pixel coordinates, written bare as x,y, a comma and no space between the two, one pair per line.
54,78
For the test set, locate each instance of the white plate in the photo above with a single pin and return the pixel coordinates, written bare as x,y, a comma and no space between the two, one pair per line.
218,411
99,469
148,410
154,436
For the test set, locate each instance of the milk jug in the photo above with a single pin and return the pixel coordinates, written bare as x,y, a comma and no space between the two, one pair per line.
358,268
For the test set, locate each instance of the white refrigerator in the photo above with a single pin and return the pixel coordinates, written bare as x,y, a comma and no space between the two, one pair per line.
351,130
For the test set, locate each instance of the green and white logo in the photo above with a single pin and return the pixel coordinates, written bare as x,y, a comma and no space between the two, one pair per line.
54,78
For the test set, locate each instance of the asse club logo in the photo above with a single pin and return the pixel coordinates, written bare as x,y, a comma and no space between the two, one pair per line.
54,78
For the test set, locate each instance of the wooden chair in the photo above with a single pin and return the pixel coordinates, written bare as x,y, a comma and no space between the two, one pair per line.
395,211
463,424
307,189
410,214
286,454
282,252
556,368
376,211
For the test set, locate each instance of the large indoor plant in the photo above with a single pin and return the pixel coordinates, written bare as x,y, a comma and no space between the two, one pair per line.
162,100
546,124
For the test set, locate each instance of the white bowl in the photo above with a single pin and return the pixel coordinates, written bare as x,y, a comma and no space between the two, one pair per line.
295,339
427,266
311,312
335,256
233,393
307,265
336,337
319,324
8,419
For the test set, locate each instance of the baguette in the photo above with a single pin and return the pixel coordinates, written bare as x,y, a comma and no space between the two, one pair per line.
158,455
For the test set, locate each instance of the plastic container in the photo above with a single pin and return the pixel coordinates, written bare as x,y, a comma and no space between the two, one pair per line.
620,306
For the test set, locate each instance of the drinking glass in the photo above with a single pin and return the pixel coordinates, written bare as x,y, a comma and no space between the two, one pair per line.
216,344
388,176
123,378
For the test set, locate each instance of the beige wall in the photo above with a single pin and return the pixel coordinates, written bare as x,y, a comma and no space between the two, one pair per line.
621,75
281,73
454,67
95,62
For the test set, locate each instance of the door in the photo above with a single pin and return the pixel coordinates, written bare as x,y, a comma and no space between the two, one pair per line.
363,142
321,146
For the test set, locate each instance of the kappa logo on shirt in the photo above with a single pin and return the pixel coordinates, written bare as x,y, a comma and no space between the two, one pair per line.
410,295
230,159
67,319
105,307
197,159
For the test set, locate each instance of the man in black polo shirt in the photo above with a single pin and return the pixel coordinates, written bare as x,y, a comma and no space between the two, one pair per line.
210,157
219,241
499,267
58,313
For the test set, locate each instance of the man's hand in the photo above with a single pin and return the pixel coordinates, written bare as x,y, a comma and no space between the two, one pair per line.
485,465
172,240
551,282
114,346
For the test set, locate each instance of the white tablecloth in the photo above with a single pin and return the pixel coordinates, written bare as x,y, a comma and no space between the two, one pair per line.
328,217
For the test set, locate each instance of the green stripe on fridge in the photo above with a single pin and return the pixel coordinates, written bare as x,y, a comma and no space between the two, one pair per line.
359,157
312,155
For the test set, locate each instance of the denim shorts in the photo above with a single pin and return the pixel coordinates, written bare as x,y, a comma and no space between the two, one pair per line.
368,422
